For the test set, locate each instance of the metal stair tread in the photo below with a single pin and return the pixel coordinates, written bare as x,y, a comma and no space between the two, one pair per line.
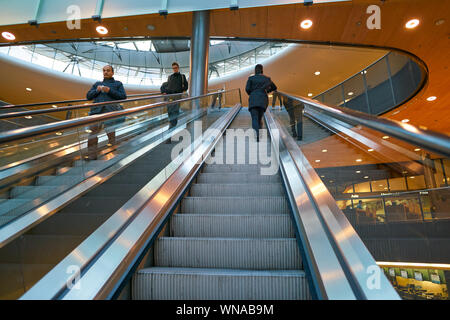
223,271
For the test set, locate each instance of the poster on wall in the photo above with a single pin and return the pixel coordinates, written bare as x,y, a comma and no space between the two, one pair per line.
435,278
392,272
418,276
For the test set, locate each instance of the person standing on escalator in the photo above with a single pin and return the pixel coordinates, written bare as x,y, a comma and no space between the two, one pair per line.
102,91
176,83
257,87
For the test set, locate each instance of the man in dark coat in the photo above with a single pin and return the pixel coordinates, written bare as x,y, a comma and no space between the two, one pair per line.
257,88
294,109
102,91
176,83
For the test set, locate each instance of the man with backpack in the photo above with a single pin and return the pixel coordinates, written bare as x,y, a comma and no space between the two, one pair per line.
176,83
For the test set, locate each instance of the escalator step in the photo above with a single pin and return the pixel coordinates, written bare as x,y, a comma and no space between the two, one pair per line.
236,190
159,283
232,226
234,253
237,178
229,205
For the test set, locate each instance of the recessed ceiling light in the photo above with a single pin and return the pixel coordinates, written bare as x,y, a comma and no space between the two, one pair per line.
54,106
8,36
350,93
317,73
411,24
417,149
324,150
432,98
28,117
405,120
366,177
310,94
58,133
358,160
306,24
322,176
358,171
101,30
317,160
370,150
385,137
28,89
412,177
439,22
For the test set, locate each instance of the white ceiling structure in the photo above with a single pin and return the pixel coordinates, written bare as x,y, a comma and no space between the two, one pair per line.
292,70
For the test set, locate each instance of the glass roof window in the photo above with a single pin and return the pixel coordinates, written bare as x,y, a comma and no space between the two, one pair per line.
142,62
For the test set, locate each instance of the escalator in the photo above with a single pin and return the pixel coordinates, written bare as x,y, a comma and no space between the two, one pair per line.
235,219
232,238
36,248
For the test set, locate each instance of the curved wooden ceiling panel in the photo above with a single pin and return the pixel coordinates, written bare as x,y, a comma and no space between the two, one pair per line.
337,23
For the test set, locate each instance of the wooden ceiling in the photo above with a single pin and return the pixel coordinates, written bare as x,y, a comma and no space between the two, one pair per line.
337,23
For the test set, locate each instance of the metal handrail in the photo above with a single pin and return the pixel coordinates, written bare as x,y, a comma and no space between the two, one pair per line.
26,105
79,106
144,227
431,140
338,262
11,135
359,72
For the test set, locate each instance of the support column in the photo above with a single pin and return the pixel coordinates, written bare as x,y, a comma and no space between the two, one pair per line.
198,75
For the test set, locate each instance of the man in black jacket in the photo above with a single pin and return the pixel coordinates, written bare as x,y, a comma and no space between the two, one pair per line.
176,83
102,91
294,109
257,88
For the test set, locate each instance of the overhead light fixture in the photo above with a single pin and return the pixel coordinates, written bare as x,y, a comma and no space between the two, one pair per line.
405,120
317,160
350,93
358,171
28,117
366,177
28,89
310,94
317,73
324,150
417,149
101,30
58,133
370,150
358,160
385,137
432,98
54,106
8,36
411,24
306,24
